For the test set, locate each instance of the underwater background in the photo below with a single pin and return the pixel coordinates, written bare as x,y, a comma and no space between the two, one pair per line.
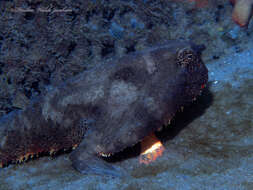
208,146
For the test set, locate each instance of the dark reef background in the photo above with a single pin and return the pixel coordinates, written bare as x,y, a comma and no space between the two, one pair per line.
208,146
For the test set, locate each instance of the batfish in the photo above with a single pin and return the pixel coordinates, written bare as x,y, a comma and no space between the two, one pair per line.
106,109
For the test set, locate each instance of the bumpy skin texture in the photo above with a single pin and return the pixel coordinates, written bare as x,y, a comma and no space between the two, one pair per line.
106,109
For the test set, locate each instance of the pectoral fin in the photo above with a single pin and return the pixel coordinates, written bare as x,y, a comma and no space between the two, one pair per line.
90,163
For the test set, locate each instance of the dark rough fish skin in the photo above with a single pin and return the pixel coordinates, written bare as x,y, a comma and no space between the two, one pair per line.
106,109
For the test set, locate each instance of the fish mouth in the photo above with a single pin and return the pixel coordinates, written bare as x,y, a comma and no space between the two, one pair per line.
112,149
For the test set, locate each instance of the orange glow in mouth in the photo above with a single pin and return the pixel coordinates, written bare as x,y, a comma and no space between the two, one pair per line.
151,149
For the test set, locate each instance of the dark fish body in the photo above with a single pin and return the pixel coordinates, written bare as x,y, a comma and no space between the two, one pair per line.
106,109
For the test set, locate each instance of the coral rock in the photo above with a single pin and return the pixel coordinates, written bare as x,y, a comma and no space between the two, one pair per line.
242,11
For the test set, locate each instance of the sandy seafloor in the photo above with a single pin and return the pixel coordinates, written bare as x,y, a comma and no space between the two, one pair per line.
208,146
